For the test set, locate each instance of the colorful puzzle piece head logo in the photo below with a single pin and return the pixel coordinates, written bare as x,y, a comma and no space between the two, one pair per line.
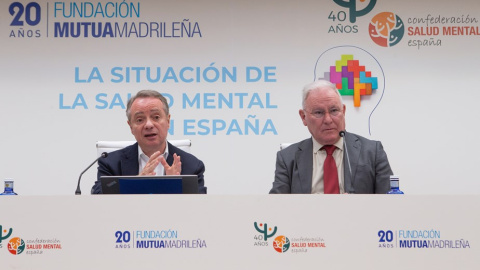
386,29
356,71
352,79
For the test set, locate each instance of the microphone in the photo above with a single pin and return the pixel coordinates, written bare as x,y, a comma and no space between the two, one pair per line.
103,155
342,134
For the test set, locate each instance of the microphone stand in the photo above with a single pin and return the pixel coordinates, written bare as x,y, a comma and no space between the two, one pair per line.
78,191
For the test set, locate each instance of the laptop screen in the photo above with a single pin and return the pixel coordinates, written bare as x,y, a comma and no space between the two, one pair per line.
165,184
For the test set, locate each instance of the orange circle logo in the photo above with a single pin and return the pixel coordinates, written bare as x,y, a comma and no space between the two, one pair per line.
281,244
16,246
386,29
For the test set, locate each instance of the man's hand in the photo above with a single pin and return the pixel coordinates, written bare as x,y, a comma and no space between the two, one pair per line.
175,169
156,158
152,164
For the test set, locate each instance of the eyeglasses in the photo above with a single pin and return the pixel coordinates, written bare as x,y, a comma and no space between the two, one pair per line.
321,114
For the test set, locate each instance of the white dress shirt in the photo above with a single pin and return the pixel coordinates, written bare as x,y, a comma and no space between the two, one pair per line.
143,159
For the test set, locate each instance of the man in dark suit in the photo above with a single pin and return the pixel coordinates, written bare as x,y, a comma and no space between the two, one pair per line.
149,120
300,167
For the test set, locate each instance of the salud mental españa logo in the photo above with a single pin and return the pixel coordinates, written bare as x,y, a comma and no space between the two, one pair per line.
296,244
281,244
386,29
16,245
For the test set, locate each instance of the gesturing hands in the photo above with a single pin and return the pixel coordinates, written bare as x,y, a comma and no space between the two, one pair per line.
156,158
175,169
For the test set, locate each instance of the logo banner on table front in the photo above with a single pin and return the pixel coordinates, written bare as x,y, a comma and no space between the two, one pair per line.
232,73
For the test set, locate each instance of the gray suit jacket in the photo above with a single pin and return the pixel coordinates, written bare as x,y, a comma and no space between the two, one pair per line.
370,168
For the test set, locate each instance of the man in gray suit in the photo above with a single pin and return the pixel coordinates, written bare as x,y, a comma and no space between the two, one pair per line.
299,167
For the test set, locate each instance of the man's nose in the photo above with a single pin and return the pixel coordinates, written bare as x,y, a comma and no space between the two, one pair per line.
327,117
148,123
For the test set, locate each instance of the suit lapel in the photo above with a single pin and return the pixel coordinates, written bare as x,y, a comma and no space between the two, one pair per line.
129,162
353,146
304,161
171,151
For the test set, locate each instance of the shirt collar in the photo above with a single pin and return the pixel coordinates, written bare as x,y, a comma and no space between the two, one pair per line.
145,158
317,146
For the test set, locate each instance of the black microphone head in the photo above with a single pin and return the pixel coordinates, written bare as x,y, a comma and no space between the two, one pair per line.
104,154
342,133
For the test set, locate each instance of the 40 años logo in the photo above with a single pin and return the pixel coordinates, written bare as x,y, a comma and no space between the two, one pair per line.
355,9
352,8
4,234
266,232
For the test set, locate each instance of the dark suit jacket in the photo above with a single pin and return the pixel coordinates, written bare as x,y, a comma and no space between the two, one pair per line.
370,168
125,162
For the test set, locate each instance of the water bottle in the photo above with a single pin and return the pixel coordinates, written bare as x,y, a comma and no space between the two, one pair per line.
394,185
8,187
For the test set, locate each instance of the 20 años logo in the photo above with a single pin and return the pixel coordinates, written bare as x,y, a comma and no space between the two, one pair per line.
25,20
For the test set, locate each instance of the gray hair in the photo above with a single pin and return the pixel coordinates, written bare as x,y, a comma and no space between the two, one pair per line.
317,85
146,94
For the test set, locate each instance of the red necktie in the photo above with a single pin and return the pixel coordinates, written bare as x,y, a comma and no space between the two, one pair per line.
330,173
